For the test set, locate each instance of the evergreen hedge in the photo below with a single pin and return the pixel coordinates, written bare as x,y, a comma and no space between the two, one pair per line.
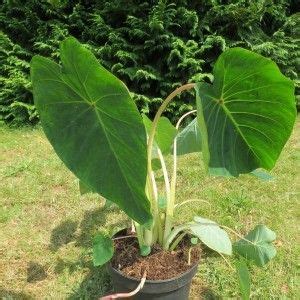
153,46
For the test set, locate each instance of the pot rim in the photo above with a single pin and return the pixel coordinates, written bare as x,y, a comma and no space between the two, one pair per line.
193,267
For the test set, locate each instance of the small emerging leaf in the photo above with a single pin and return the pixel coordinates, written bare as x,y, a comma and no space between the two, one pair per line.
244,279
259,247
194,240
103,249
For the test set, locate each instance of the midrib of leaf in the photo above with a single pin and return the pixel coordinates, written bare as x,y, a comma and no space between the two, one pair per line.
78,77
59,74
113,150
227,112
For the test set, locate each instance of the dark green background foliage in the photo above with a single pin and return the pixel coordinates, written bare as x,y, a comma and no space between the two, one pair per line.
153,46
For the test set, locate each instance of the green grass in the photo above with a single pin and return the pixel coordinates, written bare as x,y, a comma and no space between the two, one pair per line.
46,227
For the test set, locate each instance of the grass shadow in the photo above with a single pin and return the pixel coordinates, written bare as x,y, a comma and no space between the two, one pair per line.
96,281
9,295
63,234
35,272
209,294
96,284
92,221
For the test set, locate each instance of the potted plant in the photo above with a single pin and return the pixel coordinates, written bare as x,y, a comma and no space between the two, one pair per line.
243,121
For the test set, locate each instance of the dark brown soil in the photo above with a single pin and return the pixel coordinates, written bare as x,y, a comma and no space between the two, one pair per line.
159,264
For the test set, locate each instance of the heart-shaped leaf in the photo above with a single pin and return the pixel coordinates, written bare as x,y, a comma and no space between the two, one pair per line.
247,115
94,126
211,235
257,245
103,249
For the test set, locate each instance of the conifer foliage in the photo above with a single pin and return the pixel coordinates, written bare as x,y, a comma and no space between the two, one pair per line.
153,46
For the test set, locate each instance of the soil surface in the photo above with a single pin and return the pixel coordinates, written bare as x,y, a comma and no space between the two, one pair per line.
159,264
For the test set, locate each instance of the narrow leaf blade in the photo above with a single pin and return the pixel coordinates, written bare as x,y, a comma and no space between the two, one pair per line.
244,279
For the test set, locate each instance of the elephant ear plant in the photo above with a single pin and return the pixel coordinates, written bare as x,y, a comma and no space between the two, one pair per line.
243,121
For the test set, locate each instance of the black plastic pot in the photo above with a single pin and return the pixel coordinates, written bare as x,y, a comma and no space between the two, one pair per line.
176,288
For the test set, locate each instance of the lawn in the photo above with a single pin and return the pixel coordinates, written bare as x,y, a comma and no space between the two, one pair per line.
46,227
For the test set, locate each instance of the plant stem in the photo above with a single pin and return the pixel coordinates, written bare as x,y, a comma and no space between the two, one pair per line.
139,234
237,234
165,173
158,115
189,256
150,179
171,203
124,237
227,261
190,200
173,234
129,294
177,241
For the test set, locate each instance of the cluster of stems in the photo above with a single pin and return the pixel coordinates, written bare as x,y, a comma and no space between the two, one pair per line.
162,231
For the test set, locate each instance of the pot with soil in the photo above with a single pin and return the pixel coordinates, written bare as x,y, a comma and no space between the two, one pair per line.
169,274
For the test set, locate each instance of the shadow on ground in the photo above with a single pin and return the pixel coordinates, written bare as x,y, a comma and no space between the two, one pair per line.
97,282
35,272
63,234
6,294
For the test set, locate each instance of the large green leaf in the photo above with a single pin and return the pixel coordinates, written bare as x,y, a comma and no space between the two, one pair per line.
211,235
103,249
257,245
189,139
247,115
94,126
